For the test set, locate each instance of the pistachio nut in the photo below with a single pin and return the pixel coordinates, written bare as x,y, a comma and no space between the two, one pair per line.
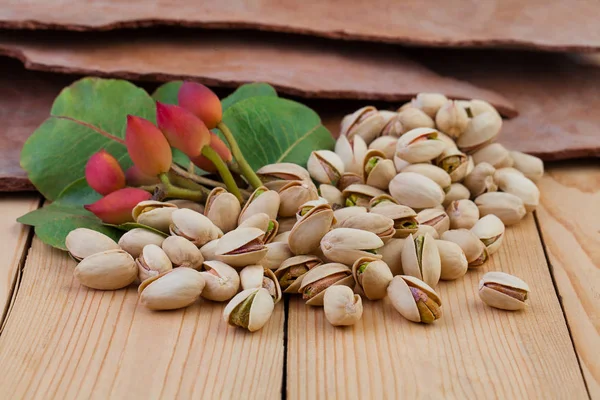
83,242
281,237
382,200
429,103
391,254
250,309
365,122
276,176
222,281
379,224
344,213
292,270
155,214
431,171
456,191
393,126
454,162
189,204
286,224
152,261
385,144
436,218
170,290
532,167
404,218
481,130
474,249
503,291
427,229
453,261
135,240
332,194
494,154
346,245
107,270
477,107
262,221
194,226
519,185
313,224
262,200
463,214
321,277
400,164
412,118
481,180
277,253
325,166
419,145
452,119
378,171
209,250
351,153
350,178
506,206
294,194
416,190
490,230
373,276
414,299
421,259
256,276
342,307
241,247
466,104
360,195
182,252
223,209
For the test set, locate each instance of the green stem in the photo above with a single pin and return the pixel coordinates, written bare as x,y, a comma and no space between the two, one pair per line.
196,178
247,171
180,193
148,188
213,156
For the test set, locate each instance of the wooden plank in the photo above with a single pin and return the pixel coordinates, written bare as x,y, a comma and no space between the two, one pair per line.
65,341
13,240
569,218
474,351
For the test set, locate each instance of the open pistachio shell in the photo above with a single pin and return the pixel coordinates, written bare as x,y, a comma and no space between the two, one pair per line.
463,214
293,195
391,254
532,167
453,261
351,153
275,176
107,270
386,145
393,126
379,224
481,180
382,200
156,214
419,145
319,278
431,171
454,162
490,230
133,241
194,226
256,276
506,206
494,154
429,103
413,118
152,261
262,200
250,309
325,166
365,122
360,195
332,194
414,299
456,191
350,178
182,252
427,229
416,190
173,289
437,219
343,214
516,183
378,171
421,259
241,247
503,291
474,249
306,235
292,271
481,130
373,276
405,221
277,253
222,281
223,209
342,307
346,245
83,242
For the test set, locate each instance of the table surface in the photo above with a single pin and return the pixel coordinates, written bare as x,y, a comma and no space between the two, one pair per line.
62,340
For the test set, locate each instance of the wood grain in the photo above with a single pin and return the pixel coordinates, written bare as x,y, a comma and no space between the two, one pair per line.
13,242
474,351
569,218
65,341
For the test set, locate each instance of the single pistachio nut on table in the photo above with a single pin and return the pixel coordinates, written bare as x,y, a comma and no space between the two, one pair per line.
189,204
155,214
360,195
241,247
481,130
346,245
531,166
351,152
379,224
503,291
453,262
436,218
391,254
404,218
378,171
262,200
250,309
382,200
494,154
152,262
256,276
223,209
135,240
452,119
412,118
107,270
277,253
490,230
292,271
294,194
276,176
463,214
474,249
385,144
325,166
313,223
429,103
193,226
481,180
513,182
342,307
454,162
321,277
419,145
83,242
262,221
342,214
365,122
182,252
421,259
222,281
416,190
373,276
456,191
348,179
414,299
176,288
506,206
433,172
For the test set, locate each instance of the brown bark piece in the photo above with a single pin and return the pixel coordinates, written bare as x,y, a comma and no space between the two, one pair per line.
555,25
296,66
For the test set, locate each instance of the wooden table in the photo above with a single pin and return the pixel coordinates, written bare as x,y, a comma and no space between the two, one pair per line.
62,340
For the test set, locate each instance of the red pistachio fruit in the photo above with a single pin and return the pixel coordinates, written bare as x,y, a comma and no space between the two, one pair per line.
202,102
103,173
135,177
183,130
116,207
222,150
147,146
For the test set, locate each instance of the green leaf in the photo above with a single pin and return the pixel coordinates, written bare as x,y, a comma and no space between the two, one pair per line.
127,226
272,129
78,193
87,116
167,93
247,91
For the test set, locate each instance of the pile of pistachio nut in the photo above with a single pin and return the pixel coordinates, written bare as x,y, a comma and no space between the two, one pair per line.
407,199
